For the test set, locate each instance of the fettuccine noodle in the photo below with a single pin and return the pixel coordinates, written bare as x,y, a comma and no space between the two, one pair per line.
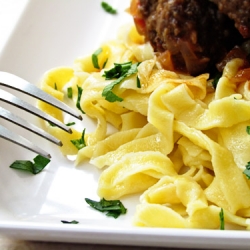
178,142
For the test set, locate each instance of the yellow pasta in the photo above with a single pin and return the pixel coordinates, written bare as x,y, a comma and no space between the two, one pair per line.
133,173
180,144
156,142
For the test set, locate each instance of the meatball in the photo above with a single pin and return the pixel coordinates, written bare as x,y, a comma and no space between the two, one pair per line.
239,12
195,33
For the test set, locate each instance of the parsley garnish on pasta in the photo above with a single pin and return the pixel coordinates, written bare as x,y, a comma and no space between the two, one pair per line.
248,129
215,80
80,143
119,71
222,220
247,170
70,92
95,58
78,102
138,82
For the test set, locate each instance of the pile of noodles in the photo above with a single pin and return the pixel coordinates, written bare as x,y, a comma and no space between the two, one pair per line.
179,142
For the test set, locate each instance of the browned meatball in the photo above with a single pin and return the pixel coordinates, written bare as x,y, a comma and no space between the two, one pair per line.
195,32
239,11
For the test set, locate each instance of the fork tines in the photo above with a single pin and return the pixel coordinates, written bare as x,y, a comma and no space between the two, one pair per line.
19,84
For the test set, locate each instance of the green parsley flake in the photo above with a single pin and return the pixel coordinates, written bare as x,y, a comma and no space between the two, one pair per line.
119,71
248,129
95,58
109,95
108,8
216,79
70,92
35,167
80,143
78,102
52,124
113,208
70,124
138,82
247,170
222,221
104,64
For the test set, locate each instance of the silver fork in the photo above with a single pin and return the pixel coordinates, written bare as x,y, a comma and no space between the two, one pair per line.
14,82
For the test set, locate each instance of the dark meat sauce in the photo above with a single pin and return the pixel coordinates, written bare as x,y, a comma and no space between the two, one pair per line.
197,33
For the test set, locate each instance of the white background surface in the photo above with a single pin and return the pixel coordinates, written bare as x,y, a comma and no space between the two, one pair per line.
10,11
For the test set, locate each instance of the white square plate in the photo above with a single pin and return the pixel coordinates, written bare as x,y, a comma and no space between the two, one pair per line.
52,33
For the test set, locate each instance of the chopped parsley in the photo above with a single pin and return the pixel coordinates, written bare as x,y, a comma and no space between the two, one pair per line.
138,82
35,167
247,170
70,92
248,129
113,208
70,124
118,72
78,102
216,79
108,8
95,58
109,95
52,124
69,222
104,64
80,143
222,221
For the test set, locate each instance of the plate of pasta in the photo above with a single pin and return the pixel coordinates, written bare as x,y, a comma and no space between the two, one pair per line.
163,155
